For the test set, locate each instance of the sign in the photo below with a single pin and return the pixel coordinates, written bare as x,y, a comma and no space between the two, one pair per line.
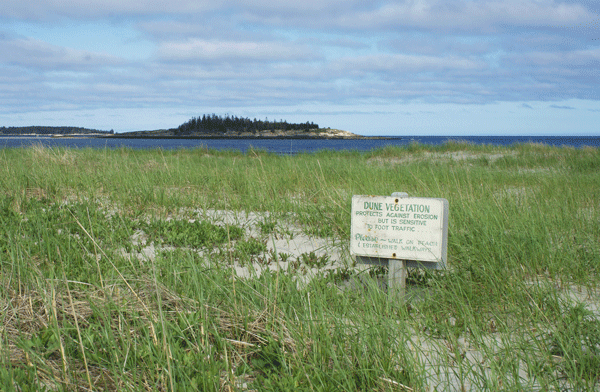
404,228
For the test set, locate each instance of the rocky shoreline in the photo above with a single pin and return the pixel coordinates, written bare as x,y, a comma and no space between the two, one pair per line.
305,137
316,133
322,133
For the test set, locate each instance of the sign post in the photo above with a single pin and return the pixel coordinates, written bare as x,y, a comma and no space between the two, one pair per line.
400,232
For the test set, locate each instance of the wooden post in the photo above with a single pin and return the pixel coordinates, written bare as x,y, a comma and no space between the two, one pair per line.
397,268
396,277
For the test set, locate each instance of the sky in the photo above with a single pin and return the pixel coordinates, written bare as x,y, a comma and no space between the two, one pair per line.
382,67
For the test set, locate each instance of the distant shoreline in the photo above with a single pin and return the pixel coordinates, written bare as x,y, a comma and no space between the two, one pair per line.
279,137
231,137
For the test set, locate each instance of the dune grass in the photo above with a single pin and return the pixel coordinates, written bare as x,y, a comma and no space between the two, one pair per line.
518,308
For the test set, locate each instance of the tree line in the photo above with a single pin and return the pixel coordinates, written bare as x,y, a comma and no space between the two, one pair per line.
43,130
213,124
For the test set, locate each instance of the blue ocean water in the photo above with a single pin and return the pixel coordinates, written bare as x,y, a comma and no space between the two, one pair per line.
292,146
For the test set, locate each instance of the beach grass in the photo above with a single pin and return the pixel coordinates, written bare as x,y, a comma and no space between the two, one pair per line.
82,309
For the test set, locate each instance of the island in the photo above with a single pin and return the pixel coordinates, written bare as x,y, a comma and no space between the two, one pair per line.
57,131
205,127
233,127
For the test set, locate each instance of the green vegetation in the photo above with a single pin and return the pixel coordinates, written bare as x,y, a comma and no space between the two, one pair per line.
232,126
83,308
213,124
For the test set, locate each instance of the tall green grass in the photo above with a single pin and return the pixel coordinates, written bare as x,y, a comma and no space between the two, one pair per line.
82,310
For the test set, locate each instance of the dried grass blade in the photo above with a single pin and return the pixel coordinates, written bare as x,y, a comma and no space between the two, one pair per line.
153,332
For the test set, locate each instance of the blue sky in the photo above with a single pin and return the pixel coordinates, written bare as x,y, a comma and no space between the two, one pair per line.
388,67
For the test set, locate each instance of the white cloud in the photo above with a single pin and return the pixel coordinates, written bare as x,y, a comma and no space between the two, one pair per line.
84,9
589,57
400,63
34,53
482,16
214,50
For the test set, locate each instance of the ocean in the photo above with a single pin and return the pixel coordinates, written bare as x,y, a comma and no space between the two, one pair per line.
292,146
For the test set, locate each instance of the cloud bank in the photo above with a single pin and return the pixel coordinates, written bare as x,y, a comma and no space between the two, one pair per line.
195,56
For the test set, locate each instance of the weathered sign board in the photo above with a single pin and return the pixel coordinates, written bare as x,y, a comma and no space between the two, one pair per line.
414,229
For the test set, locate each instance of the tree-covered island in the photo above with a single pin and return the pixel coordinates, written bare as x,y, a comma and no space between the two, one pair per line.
213,126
